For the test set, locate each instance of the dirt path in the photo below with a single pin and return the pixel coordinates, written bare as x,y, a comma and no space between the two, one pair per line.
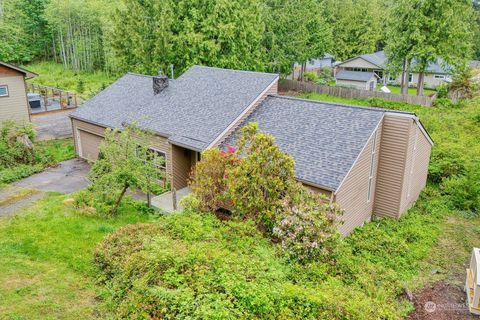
443,276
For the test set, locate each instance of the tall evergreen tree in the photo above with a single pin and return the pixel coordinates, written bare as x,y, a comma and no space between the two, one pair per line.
423,31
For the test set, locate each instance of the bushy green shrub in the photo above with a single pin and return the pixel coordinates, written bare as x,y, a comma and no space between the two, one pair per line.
443,103
197,267
208,180
310,76
464,190
12,150
447,160
258,184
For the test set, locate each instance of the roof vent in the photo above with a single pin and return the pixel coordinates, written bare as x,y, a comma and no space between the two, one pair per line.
159,83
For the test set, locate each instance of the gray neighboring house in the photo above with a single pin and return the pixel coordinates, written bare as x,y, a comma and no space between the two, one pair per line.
368,160
356,80
436,73
315,65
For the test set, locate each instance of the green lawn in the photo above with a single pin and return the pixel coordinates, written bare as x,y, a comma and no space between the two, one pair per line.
54,75
46,269
48,153
411,91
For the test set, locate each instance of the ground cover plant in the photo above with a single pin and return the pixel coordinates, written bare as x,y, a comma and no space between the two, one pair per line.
85,84
192,264
20,158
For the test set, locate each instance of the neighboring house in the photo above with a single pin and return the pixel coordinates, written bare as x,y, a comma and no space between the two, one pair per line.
474,64
368,160
315,65
356,80
13,93
435,75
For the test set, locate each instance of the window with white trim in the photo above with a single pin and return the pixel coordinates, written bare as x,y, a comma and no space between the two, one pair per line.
156,157
440,76
410,77
372,165
3,91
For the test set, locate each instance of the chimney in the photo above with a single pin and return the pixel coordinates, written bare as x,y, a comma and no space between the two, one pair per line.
159,83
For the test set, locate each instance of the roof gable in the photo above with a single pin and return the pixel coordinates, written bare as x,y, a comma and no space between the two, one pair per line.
192,111
26,73
324,139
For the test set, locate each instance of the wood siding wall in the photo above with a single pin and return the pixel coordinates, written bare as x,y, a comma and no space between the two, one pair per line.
178,160
352,196
416,171
392,165
15,105
273,90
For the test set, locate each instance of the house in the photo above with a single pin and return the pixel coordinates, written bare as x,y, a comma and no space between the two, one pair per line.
315,65
369,160
435,75
356,80
13,93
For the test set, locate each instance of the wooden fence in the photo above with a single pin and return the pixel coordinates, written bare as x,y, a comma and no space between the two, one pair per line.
292,85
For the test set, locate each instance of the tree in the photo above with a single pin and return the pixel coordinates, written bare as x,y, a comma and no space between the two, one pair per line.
423,31
356,24
124,163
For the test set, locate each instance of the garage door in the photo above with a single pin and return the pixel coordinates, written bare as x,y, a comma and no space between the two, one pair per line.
89,144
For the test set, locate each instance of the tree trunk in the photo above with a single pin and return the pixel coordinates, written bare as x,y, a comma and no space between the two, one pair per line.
117,203
421,83
302,72
404,83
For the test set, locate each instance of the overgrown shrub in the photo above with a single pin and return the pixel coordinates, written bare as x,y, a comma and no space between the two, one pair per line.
208,180
447,161
307,226
443,103
14,140
464,190
191,266
310,76
258,184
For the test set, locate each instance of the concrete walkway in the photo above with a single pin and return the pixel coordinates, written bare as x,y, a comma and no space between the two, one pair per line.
69,176
164,201
54,125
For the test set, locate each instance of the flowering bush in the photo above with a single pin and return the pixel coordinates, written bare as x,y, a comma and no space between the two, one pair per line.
208,180
307,226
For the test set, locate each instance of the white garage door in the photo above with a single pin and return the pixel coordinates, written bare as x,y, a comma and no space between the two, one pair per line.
89,144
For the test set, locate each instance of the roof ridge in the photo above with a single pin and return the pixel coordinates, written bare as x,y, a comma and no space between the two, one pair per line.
342,105
139,74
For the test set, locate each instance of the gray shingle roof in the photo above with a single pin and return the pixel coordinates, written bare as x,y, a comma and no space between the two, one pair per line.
354,75
379,59
192,111
324,139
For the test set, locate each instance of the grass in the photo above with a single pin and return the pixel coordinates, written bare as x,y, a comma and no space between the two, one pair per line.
54,75
411,91
46,269
48,153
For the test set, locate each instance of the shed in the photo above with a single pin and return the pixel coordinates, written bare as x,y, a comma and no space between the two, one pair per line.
357,79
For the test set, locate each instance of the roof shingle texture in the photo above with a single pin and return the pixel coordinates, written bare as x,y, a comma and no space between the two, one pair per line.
354,75
192,111
324,139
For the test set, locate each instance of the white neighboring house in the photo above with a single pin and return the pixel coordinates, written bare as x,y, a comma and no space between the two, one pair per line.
435,75
315,65
357,80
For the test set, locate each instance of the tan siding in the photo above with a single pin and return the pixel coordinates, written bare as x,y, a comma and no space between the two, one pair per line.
15,106
182,165
81,126
273,90
89,144
358,63
391,168
417,168
352,196
327,193
362,85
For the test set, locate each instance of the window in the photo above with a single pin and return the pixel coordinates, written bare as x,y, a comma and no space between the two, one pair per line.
157,157
3,91
372,164
439,76
410,77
